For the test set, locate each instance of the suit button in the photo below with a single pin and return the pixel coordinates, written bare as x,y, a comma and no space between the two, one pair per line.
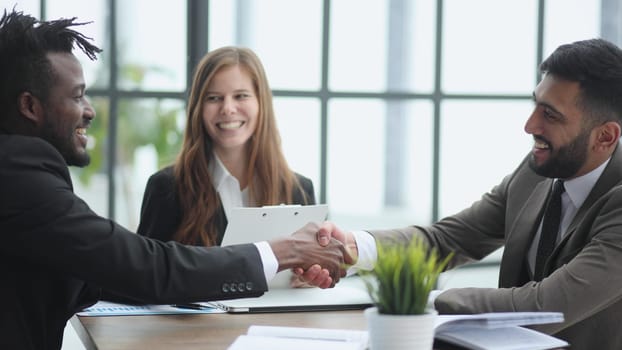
225,287
241,287
249,285
234,287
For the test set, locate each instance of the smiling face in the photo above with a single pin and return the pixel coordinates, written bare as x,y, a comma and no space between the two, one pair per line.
562,138
230,109
67,114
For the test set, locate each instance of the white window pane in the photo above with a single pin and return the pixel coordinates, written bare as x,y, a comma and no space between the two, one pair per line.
150,133
477,277
285,34
481,141
356,179
580,21
94,191
298,120
361,45
29,7
358,45
222,23
152,45
489,46
96,72
356,156
419,160
421,74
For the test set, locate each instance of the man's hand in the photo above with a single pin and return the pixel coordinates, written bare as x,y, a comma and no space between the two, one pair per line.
327,232
315,276
325,264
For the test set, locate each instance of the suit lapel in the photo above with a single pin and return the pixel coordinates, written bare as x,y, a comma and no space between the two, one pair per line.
221,224
521,234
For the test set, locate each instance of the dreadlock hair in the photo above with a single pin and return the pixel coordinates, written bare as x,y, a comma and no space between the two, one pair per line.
24,43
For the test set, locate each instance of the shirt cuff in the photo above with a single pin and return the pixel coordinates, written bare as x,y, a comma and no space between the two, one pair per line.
432,297
367,252
268,259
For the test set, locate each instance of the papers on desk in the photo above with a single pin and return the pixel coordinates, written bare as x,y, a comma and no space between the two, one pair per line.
498,331
495,320
502,338
490,331
105,308
286,338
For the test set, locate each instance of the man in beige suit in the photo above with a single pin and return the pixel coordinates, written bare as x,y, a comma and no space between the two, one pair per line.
576,129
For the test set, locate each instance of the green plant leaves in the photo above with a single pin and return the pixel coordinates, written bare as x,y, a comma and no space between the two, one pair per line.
403,276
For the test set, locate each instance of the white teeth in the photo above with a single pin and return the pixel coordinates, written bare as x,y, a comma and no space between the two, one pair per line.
81,131
230,125
541,145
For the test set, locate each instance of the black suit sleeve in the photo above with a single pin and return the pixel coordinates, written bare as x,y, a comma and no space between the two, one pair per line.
43,222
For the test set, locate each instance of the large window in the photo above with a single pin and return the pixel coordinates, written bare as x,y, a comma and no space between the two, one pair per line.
400,111
413,97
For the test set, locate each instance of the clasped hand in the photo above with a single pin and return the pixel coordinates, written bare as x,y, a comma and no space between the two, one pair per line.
329,252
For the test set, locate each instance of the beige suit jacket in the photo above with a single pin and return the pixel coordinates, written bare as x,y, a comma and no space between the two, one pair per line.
584,272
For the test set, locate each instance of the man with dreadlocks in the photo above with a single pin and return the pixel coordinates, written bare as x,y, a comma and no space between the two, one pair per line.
56,254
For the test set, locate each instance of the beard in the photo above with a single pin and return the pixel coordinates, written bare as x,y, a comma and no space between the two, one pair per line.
63,138
566,161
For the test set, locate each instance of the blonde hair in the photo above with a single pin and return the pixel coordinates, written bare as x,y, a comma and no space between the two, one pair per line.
270,179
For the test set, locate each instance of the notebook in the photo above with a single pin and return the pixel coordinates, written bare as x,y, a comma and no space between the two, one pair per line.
254,224
349,294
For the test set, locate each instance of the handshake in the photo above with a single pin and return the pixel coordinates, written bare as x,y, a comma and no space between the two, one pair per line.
318,254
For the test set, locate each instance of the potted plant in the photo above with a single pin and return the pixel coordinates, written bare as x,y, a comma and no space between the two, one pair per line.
399,286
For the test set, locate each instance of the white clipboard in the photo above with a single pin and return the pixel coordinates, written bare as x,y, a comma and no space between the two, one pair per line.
254,224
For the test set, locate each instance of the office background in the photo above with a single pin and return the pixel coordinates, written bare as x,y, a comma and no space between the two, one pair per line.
400,111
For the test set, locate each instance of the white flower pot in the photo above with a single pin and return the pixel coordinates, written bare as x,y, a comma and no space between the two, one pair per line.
397,332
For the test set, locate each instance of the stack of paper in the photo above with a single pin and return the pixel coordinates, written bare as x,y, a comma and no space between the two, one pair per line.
504,338
498,331
287,338
489,331
496,320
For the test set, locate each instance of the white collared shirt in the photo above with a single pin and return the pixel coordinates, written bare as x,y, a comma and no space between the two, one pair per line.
228,188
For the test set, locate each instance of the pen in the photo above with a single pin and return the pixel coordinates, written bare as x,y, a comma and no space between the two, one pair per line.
191,306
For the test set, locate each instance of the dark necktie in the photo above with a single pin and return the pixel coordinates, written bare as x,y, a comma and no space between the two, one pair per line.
550,229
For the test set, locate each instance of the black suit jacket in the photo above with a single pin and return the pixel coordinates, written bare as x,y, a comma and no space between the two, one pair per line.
56,254
160,215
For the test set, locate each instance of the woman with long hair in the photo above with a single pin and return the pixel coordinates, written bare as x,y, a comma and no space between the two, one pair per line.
231,155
